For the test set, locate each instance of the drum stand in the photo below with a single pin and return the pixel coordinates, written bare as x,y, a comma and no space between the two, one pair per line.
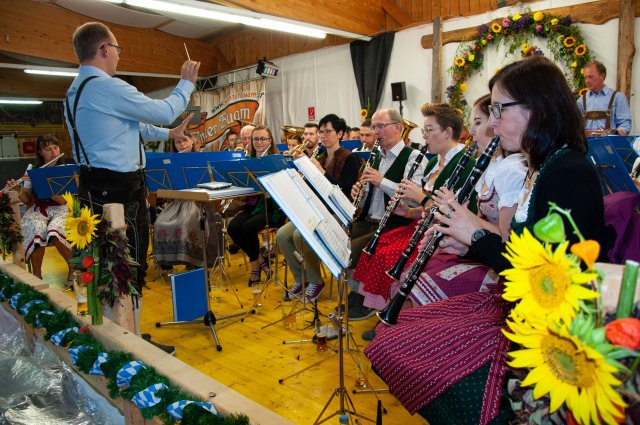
209,318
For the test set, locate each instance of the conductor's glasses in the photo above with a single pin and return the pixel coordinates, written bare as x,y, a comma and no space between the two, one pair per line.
115,46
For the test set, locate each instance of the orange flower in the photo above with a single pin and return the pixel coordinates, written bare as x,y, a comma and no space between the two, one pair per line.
583,91
588,251
581,50
624,332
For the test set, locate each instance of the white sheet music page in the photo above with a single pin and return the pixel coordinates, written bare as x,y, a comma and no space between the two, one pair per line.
309,215
331,193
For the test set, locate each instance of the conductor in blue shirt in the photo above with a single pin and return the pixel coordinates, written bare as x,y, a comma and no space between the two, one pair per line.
603,108
108,119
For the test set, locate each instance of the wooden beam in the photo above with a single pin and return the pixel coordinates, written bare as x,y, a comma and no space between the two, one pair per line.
591,13
436,61
15,83
626,46
44,30
396,13
360,17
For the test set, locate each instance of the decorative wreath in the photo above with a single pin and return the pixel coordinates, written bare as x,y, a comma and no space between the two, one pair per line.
564,39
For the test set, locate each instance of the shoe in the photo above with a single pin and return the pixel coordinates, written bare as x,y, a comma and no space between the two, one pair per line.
369,335
296,288
360,313
169,349
254,278
313,291
233,248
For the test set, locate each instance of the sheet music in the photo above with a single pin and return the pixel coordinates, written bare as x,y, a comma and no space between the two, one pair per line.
214,185
314,221
224,193
331,193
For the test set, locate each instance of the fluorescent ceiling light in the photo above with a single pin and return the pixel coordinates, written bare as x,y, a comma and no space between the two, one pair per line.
20,102
237,16
51,72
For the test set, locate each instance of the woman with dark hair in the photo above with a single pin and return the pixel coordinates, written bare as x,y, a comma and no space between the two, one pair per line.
258,213
340,166
462,380
44,221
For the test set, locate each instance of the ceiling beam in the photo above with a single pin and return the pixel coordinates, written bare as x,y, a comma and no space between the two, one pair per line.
44,30
361,17
396,13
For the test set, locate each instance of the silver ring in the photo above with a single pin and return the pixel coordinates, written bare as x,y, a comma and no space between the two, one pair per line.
448,214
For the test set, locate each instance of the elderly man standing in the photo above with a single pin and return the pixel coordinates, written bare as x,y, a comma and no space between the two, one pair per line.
107,120
603,108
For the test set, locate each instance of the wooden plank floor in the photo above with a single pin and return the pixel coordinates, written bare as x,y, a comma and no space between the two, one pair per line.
254,358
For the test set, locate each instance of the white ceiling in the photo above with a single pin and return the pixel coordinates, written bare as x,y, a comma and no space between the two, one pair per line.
175,24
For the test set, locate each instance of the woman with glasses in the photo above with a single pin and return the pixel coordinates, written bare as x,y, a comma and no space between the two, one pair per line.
443,124
257,213
463,381
340,166
176,232
44,221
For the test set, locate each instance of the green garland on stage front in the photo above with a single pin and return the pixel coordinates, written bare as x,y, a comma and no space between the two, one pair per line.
60,320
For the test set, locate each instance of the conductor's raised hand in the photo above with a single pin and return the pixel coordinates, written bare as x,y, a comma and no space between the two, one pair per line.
178,132
190,71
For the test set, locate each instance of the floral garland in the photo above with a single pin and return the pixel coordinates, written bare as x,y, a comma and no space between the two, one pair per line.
100,257
563,38
580,366
10,232
37,311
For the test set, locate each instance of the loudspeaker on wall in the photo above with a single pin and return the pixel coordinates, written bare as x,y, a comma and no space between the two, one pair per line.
398,91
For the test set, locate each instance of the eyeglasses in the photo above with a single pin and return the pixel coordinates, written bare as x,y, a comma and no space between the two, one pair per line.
115,46
426,131
325,132
261,139
496,108
377,127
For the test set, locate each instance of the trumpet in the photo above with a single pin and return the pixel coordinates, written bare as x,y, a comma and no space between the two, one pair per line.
396,271
21,179
371,246
241,148
389,315
298,150
361,196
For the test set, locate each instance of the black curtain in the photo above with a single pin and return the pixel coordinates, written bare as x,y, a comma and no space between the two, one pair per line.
370,63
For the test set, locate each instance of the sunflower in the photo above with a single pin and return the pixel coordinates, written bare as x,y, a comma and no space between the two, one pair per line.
496,27
566,368
583,91
80,230
459,61
581,50
569,41
547,283
68,199
463,87
364,113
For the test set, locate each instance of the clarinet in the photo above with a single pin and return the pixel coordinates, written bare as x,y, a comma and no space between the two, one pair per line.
364,189
389,315
371,246
396,271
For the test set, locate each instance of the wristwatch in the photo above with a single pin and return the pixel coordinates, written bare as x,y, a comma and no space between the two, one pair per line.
478,234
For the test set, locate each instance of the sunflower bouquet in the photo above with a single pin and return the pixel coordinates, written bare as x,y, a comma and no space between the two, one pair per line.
10,233
100,257
571,364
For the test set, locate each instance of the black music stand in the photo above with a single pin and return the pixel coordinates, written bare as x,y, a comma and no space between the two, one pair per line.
209,318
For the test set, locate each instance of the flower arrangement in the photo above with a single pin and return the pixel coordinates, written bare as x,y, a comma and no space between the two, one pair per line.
576,363
563,38
99,256
91,357
10,232
365,113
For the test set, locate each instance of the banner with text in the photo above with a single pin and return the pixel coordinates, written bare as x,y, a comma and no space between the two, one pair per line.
226,110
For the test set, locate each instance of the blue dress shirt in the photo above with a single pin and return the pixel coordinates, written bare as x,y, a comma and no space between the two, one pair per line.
620,112
112,113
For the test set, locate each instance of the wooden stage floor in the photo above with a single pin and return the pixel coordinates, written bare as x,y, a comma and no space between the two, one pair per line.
253,358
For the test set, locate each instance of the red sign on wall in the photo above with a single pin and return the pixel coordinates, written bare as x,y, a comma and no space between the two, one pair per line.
311,111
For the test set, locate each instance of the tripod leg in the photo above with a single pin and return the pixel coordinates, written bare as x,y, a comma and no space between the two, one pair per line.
210,320
324,409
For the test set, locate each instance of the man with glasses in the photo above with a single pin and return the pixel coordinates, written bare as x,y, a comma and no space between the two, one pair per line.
392,165
107,120
603,108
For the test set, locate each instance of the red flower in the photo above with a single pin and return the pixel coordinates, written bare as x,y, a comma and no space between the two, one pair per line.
85,330
87,261
624,332
86,277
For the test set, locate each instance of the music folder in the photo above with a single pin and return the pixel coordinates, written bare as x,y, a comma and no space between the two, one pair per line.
318,227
